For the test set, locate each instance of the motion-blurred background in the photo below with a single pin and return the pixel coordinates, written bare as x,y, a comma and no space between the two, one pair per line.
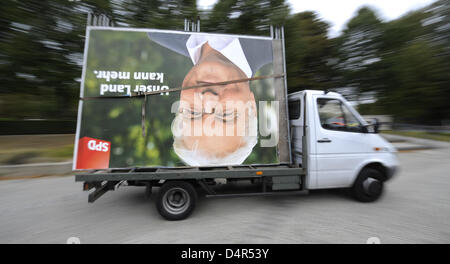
395,69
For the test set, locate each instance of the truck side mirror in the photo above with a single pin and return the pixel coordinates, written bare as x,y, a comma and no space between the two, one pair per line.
376,125
372,126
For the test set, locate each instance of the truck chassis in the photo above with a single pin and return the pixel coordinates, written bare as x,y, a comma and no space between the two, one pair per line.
184,183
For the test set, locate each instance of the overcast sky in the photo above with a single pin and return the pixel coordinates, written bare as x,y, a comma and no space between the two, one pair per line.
338,12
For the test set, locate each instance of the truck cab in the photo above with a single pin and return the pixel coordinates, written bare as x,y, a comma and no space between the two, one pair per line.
336,146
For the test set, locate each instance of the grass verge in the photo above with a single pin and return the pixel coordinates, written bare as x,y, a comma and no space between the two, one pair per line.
23,149
419,134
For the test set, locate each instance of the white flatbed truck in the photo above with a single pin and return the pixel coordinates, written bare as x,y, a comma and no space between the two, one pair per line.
331,146
323,143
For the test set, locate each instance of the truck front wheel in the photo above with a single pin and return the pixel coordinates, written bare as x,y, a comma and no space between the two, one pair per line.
368,186
176,200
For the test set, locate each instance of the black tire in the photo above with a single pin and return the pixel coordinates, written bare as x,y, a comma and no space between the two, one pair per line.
176,200
368,186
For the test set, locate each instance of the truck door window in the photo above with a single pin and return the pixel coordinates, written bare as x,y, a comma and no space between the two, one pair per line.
294,109
335,116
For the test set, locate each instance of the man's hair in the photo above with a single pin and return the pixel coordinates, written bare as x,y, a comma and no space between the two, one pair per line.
195,157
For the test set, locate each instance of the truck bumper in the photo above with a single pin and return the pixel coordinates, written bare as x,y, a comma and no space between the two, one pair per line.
391,164
391,171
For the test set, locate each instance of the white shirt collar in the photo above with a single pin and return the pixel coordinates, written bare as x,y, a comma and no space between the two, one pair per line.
230,47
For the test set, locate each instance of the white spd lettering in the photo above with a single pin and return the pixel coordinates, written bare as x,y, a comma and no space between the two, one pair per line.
101,146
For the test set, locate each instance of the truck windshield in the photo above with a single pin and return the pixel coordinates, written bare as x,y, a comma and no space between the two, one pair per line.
334,115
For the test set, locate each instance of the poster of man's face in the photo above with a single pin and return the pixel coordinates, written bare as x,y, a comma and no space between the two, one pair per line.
153,98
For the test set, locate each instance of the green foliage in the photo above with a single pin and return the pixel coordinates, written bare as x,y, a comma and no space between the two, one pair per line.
309,51
358,54
161,14
419,134
249,17
38,50
418,95
402,64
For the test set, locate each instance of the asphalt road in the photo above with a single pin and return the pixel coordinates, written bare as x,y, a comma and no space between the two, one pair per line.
414,209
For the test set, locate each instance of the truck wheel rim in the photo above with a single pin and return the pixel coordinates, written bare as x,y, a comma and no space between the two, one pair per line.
372,186
176,200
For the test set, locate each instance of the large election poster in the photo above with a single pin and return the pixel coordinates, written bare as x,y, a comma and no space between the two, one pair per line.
152,98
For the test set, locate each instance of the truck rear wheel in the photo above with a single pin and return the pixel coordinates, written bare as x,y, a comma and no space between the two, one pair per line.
368,186
176,200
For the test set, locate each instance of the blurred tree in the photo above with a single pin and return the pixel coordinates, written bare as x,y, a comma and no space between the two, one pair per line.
408,74
359,48
41,53
397,34
418,95
155,13
414,80
309,53
439,21
249,17
35,52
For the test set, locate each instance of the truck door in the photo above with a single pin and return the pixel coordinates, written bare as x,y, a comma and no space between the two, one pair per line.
339,140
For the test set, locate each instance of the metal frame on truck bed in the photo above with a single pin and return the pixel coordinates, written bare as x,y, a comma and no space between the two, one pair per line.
272,178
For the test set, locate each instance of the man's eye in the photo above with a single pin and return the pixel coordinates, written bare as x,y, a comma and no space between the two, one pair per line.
196,114
191,113
227,116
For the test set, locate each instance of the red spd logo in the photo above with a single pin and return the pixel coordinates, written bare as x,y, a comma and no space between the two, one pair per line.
98,146
93,153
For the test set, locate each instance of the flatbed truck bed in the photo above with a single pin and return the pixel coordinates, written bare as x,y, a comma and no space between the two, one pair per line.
148,173
268,180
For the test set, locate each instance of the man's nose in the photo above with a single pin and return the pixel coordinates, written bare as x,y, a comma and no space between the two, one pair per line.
210,101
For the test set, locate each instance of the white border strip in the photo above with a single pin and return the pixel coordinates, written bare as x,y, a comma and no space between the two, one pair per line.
77,135
80,102
83,74
174,32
